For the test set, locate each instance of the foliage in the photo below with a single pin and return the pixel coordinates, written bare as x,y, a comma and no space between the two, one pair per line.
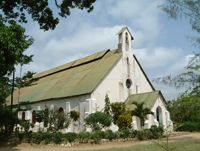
141,112
74,115
98,120
26,125
124,133
57,137
13,42
107,107
189,9
186,108
37,138
41,11
124,120
96,136
8,119
188,126
58,121
110,135
70,136
117,109
40,116
84,137
46,117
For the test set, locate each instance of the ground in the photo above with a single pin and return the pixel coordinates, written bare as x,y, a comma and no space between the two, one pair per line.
178,141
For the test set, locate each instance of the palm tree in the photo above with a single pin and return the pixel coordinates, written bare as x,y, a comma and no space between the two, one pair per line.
141,112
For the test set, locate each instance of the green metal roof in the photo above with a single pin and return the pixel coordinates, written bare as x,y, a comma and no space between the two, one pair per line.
75,78
149,98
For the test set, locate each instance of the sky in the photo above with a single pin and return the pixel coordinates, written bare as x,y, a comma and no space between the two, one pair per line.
160,43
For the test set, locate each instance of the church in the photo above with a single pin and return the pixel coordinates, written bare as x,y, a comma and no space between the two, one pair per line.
82,85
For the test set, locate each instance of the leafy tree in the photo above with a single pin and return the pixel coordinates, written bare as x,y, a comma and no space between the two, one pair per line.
141,112
124,120
98,120
107,107
7,120
13,43
117,109
41,10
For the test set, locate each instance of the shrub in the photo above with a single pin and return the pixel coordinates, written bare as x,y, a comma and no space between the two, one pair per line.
84,137
37,138
109,134
157,132
124,133
141,135
124,120
57,137
74,115
188,126
96,136
117,109
98,120
70,136
133,133
47,137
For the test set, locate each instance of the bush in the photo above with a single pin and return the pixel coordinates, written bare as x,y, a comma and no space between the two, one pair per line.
84,137
133,133
110,135
96,136
37,138
47,137
70,136
98,120
57,137
188,126
74,115
124,133
124,120
157,131
141,135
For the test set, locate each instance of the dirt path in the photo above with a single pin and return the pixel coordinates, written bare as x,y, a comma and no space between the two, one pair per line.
28,147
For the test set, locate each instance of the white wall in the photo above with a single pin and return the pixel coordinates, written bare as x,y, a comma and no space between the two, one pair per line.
152,119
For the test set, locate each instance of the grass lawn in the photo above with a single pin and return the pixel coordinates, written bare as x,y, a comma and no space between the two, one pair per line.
193,145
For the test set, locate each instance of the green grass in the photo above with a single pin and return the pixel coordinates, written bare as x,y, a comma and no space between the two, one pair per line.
177,146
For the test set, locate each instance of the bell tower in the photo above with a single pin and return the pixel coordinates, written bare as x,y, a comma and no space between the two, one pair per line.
124,44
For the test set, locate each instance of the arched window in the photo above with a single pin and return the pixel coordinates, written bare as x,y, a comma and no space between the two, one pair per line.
126,41
33,117
23,115
128,66
159,115
60,110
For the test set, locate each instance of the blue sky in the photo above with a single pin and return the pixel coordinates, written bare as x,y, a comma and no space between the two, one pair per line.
160,43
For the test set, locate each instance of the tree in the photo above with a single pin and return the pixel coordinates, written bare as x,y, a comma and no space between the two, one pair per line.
107,107
141,112
41,10
190,9
124,120
98,120
190,78
13,43
117,109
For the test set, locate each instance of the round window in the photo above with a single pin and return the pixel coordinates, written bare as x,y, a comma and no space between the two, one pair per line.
128,83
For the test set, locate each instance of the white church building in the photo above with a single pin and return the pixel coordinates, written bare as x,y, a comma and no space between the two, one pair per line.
82,85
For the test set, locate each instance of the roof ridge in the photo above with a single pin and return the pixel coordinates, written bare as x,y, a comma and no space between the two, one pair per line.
72,64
